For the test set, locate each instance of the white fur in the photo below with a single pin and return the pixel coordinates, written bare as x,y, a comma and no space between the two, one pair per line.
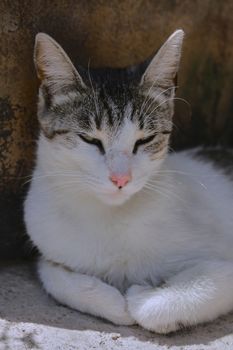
182,235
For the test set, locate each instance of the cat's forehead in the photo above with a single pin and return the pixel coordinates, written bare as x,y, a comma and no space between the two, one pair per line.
119,96
114,108
109,107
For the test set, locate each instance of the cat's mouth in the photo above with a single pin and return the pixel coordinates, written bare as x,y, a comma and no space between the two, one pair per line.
117,197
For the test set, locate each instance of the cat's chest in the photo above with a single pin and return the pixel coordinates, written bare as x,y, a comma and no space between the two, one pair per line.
142,241
112,247
102,238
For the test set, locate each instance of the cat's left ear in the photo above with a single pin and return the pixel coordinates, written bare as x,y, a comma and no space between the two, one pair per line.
163,68
54,68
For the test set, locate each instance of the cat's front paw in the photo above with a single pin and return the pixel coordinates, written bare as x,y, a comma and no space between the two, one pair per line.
151,310
116,309
123,318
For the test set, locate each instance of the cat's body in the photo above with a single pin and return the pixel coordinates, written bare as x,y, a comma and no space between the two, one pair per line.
150,238
160,255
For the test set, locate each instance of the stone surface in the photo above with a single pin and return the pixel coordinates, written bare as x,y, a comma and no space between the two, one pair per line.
29,319
108,33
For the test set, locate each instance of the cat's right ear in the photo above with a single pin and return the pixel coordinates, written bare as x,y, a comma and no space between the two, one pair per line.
54,68
163,68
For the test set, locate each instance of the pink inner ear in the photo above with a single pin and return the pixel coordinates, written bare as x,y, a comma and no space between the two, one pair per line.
120,180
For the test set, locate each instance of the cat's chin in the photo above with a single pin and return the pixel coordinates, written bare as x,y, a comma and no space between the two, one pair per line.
114,200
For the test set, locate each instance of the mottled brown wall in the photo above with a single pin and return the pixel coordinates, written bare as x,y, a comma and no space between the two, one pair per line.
109,33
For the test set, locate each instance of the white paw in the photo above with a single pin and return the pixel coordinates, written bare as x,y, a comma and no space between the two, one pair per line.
123,318
116,310
151,310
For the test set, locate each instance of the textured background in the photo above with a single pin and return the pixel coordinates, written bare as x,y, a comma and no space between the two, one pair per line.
109,33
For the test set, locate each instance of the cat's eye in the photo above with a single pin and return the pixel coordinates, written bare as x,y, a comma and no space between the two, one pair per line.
147,140
142,142
93,141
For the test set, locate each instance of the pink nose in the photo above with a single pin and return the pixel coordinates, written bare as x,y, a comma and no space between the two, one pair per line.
120,180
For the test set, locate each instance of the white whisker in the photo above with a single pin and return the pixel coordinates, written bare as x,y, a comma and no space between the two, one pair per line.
95,97
169,99
163,190
156,97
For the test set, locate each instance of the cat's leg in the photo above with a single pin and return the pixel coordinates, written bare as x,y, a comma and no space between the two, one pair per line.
84,293
196,295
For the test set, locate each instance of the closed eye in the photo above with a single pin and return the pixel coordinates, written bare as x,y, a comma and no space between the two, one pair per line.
142,142
93,141
147,140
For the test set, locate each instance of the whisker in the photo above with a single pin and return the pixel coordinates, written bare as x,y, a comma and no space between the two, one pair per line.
164,191
69,185
76,175
169,99
150,192
154,98
38,177
182,173
156,81
94,92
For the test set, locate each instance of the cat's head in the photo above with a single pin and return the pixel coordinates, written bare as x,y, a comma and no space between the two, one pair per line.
106,136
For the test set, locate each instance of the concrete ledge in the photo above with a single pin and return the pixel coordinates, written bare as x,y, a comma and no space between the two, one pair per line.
29,319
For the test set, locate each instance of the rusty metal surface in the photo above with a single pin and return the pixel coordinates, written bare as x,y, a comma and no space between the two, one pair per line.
109,33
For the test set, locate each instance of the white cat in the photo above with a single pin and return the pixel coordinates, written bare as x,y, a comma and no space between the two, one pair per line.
126,232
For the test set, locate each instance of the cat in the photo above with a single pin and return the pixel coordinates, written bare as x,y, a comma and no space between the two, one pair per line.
126,230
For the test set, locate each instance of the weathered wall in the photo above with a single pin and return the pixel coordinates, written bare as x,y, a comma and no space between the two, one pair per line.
109,33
